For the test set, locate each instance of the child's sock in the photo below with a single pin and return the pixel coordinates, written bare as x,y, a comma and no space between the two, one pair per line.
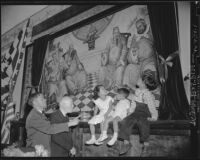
103,137
93,137
92,140
104,133
115,135
114,139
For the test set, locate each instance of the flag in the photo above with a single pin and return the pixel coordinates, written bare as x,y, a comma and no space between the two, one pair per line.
5,130
11,63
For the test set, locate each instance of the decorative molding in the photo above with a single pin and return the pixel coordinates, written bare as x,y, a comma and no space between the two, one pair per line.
60,17
74,20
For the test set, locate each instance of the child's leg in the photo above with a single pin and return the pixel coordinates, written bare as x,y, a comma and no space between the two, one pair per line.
115,127
92,140
106,123
115,124
101,129
105,128
126,127
144,129
92,129
101,126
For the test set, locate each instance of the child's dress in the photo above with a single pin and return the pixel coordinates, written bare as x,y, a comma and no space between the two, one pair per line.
103,106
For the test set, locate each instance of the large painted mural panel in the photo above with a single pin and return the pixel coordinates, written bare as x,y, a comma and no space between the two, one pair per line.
113,51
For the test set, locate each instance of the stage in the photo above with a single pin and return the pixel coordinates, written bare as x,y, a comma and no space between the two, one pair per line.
169,138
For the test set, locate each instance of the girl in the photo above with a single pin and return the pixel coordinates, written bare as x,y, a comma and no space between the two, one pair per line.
103,102
119,112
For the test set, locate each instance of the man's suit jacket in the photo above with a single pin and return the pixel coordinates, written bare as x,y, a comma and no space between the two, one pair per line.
39,129
61,143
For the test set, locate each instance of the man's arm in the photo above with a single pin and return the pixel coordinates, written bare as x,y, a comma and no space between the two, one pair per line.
43,125
62,140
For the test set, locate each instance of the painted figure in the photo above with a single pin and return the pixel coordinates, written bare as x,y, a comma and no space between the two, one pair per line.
140,56
113,61
57,86
91,37
75,74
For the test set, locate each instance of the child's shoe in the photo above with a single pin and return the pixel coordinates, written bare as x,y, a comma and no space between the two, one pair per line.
102,138
144,152
125,148
112,141
91,141
98,143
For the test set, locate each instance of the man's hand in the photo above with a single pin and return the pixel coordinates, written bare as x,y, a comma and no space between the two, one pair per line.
151,119
73,122
73,151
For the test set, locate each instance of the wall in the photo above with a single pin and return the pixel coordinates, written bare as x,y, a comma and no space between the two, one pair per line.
9,12
8,37
184,31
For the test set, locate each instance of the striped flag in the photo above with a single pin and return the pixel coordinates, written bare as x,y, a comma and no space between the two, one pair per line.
5,130
11,63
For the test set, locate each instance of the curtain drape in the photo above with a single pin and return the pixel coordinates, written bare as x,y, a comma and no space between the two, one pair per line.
174,103
39,50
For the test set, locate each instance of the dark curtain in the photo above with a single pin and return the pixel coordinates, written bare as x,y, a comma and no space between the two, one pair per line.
39,50
174,104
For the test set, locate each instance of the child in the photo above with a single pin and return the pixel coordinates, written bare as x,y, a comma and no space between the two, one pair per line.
118,113
144,110
103,103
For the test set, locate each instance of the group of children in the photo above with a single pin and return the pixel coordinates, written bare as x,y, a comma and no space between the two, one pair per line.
139,110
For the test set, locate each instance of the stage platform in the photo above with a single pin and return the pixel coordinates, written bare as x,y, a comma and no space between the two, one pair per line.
169,138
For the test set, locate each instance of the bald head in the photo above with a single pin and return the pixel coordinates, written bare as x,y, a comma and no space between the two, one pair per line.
66,104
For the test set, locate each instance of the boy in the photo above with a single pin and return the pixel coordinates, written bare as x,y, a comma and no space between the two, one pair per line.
144,110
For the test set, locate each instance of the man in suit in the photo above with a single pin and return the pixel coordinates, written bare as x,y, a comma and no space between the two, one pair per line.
39,129
62,143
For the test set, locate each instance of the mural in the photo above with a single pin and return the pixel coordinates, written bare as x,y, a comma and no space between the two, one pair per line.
89,33
113,51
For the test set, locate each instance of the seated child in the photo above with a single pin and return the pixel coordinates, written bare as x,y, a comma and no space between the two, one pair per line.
102,102
144,110
118,113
